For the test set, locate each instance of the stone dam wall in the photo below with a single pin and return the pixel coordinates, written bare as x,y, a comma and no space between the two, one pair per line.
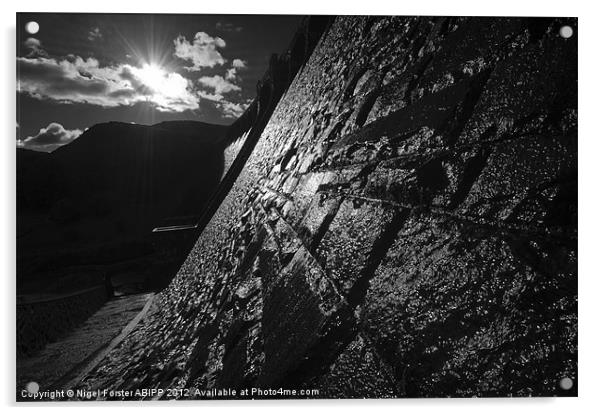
404,225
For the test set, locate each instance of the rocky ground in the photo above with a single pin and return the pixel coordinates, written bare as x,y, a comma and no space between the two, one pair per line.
406,226
46,318
62,360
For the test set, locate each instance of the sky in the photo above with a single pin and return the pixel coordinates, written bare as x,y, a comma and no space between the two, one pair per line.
77,70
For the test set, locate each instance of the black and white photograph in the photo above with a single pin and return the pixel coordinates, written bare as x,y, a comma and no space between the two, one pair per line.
295,207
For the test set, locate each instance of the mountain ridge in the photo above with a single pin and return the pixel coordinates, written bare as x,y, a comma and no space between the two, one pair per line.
106,190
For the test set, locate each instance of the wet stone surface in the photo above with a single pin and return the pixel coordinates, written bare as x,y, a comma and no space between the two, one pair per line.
405,226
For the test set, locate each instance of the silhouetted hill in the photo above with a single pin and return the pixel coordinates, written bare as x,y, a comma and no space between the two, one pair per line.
97,199
37,175
164,170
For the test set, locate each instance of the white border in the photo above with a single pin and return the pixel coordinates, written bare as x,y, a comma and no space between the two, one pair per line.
590,176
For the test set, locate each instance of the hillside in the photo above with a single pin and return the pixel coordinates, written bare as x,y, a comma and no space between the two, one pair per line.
96,200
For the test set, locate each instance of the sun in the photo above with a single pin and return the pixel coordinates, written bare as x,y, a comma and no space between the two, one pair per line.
163,84
152,75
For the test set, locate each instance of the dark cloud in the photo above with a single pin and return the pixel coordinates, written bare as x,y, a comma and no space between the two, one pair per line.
43,77
50,138
34,47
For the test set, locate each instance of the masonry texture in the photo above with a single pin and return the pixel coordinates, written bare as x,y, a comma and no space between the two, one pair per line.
405,225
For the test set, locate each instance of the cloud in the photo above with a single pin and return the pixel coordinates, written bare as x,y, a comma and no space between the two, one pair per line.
229,109
35,47
94,34
75,80
227,27
239,64
50,138
219,85
232,109
202,52
214,87
32,42
232,73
